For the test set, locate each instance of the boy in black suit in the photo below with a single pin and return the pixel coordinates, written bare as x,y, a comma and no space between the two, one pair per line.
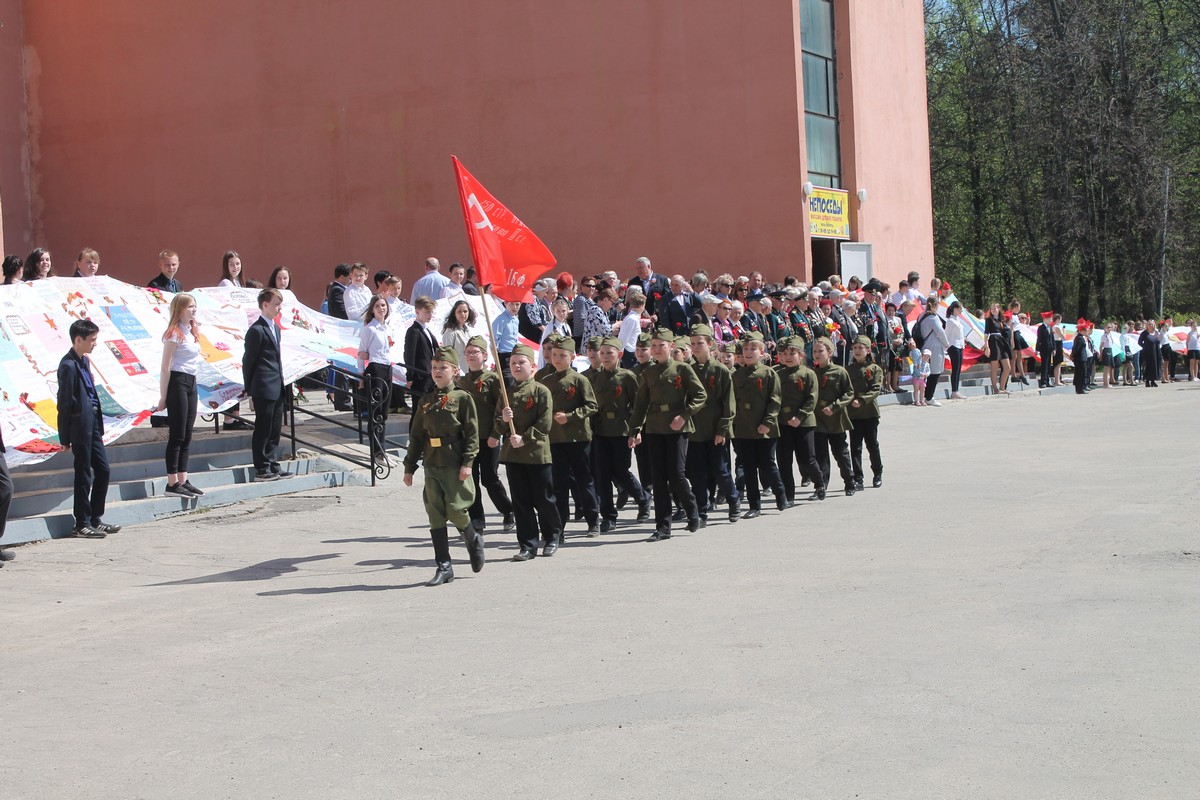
419,344
262,375
81,429
1045,348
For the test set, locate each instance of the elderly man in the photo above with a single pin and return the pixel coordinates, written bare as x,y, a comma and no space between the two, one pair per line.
654,286
432,283
676,314
755,282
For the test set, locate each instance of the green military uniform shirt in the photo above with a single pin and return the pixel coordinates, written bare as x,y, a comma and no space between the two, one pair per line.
615,393
797,395
666,391
833,391
531,405
867,380
548,369
484,387
444,431
716,417
572,395
756,391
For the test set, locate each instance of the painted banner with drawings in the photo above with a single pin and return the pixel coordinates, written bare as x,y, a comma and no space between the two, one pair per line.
35,318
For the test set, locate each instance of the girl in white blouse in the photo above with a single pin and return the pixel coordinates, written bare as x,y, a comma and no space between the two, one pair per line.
177,390
375,361
231,271
956,335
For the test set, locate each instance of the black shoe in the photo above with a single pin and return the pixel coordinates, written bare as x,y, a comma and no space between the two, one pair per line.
606,526
678,516
735,512
86,532
444,574
858,486
752,513
818,494
704,522
877,481
510,522
474,540
622,499
643,513
693,524
282,473
524,555
849,490
179,490
106,529
265,476
659,535
6,555
720,499
782,503
235,424
593,530
551,548
188,485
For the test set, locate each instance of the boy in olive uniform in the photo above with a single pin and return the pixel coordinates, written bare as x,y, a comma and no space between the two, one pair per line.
834,394
708,456
669,395
547,368
484,387
526,454
798,399
574,403
445,436
867,379
641,355
756,423
615,388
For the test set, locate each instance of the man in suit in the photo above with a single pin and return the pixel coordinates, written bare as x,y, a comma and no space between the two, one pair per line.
675,314
1045,348
262,375
81,429
655,287
419,346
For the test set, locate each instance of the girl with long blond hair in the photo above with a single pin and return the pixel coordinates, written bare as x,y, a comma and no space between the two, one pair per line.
177,393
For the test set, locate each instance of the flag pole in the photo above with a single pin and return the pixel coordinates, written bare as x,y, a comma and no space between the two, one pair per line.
487,315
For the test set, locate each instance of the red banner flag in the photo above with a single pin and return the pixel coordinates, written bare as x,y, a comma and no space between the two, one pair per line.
507,254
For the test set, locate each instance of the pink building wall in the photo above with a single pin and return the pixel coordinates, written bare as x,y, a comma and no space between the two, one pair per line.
308,134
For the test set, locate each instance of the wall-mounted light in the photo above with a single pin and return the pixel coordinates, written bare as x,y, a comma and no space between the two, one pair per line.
808,188
862,195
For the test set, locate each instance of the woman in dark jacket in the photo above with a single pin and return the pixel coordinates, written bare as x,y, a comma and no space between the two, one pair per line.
1151,343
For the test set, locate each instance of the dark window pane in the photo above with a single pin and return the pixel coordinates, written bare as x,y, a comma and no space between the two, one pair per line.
816,27
816,85
822,145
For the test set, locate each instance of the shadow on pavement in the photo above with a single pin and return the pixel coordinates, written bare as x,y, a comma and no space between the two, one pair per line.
338,589
264,570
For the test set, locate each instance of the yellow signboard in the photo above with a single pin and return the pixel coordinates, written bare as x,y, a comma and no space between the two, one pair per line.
829,213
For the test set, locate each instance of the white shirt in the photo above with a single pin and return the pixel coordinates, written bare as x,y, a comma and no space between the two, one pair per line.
356,298
375,344
429,285
956,332
631,328
1193,340
228,284
186,358
450,289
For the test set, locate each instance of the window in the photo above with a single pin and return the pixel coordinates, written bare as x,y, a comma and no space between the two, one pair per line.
820,92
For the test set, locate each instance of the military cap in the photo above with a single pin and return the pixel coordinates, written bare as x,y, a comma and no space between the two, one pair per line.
700,329
612,341
754,296
524,350
561,343
643,340
663,334
825,340
752,336
447,355
737,347
593,343
791,341
478,341
865,341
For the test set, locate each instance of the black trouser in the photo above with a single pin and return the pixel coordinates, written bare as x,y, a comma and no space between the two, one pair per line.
628,360
268,422
797,444
486,471
865,430
956,355
931,385
532,489
666,454
91,469
1046,372
836,442
379,406
1080,379
572,469
6,493
613,458
708,465
505,373
181,418
757,457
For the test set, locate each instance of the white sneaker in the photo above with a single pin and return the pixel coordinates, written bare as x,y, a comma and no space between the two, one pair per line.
937,403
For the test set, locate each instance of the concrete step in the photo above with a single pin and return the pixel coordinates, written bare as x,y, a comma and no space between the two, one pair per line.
969,390
314,474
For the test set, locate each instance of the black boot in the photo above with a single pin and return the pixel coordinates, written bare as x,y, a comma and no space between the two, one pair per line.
643,514
735,512
878,480
441,554
474,540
